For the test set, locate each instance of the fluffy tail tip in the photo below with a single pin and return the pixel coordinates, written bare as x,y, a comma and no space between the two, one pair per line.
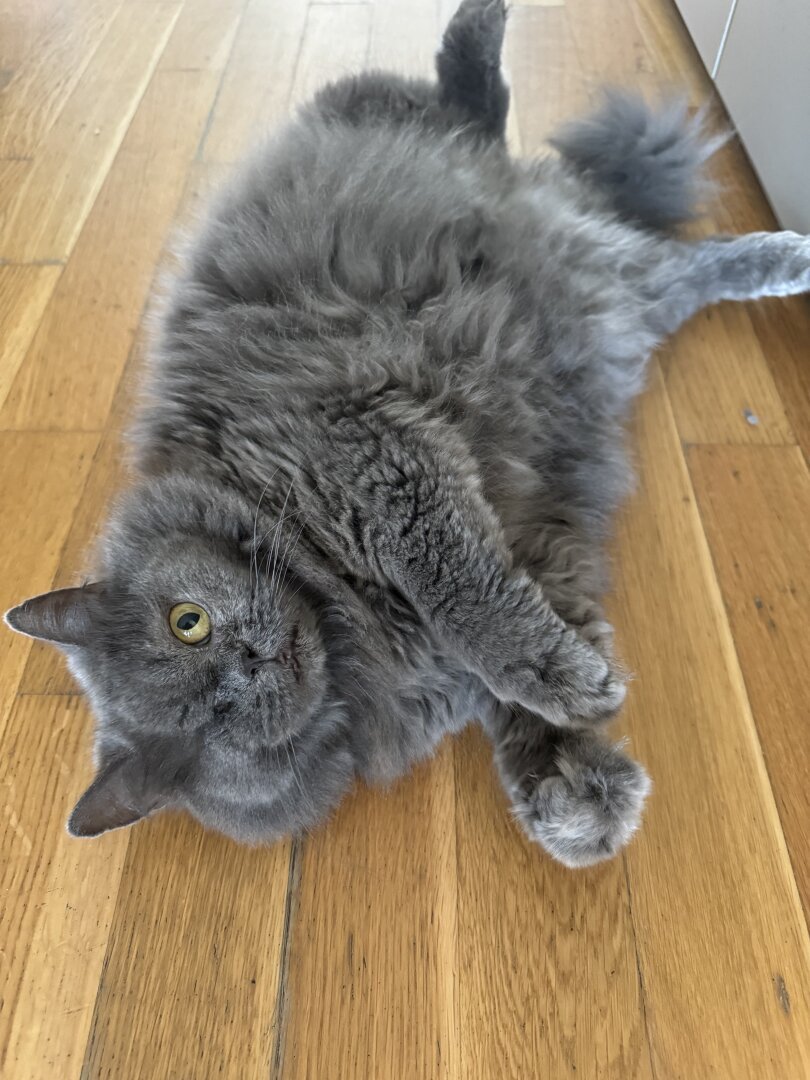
650,161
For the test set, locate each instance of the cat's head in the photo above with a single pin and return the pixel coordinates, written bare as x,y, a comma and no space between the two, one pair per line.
199,646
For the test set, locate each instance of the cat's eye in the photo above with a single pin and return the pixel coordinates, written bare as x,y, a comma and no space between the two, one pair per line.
190,623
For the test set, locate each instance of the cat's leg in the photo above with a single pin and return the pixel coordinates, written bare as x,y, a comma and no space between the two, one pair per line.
504,626
576,795
469,66
402,505
572,572
693,276
436,540
470,93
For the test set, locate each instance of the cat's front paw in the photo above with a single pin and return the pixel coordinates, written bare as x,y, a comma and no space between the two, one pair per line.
588,808
574,685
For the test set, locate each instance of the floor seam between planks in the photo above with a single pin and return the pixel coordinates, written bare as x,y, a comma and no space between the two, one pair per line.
108,948
740,672
747,717
282,997
642,989
199,152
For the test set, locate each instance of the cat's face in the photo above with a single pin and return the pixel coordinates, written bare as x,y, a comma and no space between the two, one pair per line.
198,648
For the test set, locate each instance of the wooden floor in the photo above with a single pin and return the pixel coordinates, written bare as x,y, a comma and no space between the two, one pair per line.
418,935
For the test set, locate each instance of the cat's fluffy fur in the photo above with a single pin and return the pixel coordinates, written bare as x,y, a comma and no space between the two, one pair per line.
382,446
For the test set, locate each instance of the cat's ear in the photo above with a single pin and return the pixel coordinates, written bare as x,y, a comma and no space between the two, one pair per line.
120,795
64,616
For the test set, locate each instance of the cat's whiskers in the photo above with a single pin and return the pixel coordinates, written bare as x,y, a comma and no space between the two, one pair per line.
292,762
277,537
279,567
253,558
265,568
286,560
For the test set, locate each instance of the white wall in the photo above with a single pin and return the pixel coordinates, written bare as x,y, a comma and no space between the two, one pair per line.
759,54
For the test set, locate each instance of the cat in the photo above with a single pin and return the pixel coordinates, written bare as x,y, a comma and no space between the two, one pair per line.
379,455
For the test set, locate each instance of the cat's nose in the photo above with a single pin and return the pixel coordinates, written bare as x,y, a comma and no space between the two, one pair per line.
251,662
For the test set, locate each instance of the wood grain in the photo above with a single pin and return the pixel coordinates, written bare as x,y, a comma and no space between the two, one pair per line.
405,37
190,983
781,329
41,480
372,949
335,44
547,82
612,32
547,978
722,941
57,51
54,948
44,219
719,382
45,670
755,506
24,292
79,352
203,36
674,55
256,88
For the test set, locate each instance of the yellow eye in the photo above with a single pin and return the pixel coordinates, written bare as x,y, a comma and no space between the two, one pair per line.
189,623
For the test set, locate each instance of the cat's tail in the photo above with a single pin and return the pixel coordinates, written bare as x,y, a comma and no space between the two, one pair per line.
468,66
650,161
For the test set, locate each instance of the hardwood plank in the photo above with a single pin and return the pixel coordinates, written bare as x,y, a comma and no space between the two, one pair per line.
547,83
781,327
41,480
58,49
547,976
370,990
45,671
76,359
755,505
260,72
47,214
58,893
203,36
668,41
335,44
720,384
191,976
722,942
13,177
611,46
24,292
20,31
405,37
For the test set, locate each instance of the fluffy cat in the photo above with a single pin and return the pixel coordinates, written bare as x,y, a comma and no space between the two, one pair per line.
379,458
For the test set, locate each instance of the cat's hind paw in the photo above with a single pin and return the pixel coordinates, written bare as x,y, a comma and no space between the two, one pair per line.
588,808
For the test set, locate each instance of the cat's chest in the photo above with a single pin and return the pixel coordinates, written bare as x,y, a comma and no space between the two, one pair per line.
415,691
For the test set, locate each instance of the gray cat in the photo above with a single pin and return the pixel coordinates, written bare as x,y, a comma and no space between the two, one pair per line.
380,457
